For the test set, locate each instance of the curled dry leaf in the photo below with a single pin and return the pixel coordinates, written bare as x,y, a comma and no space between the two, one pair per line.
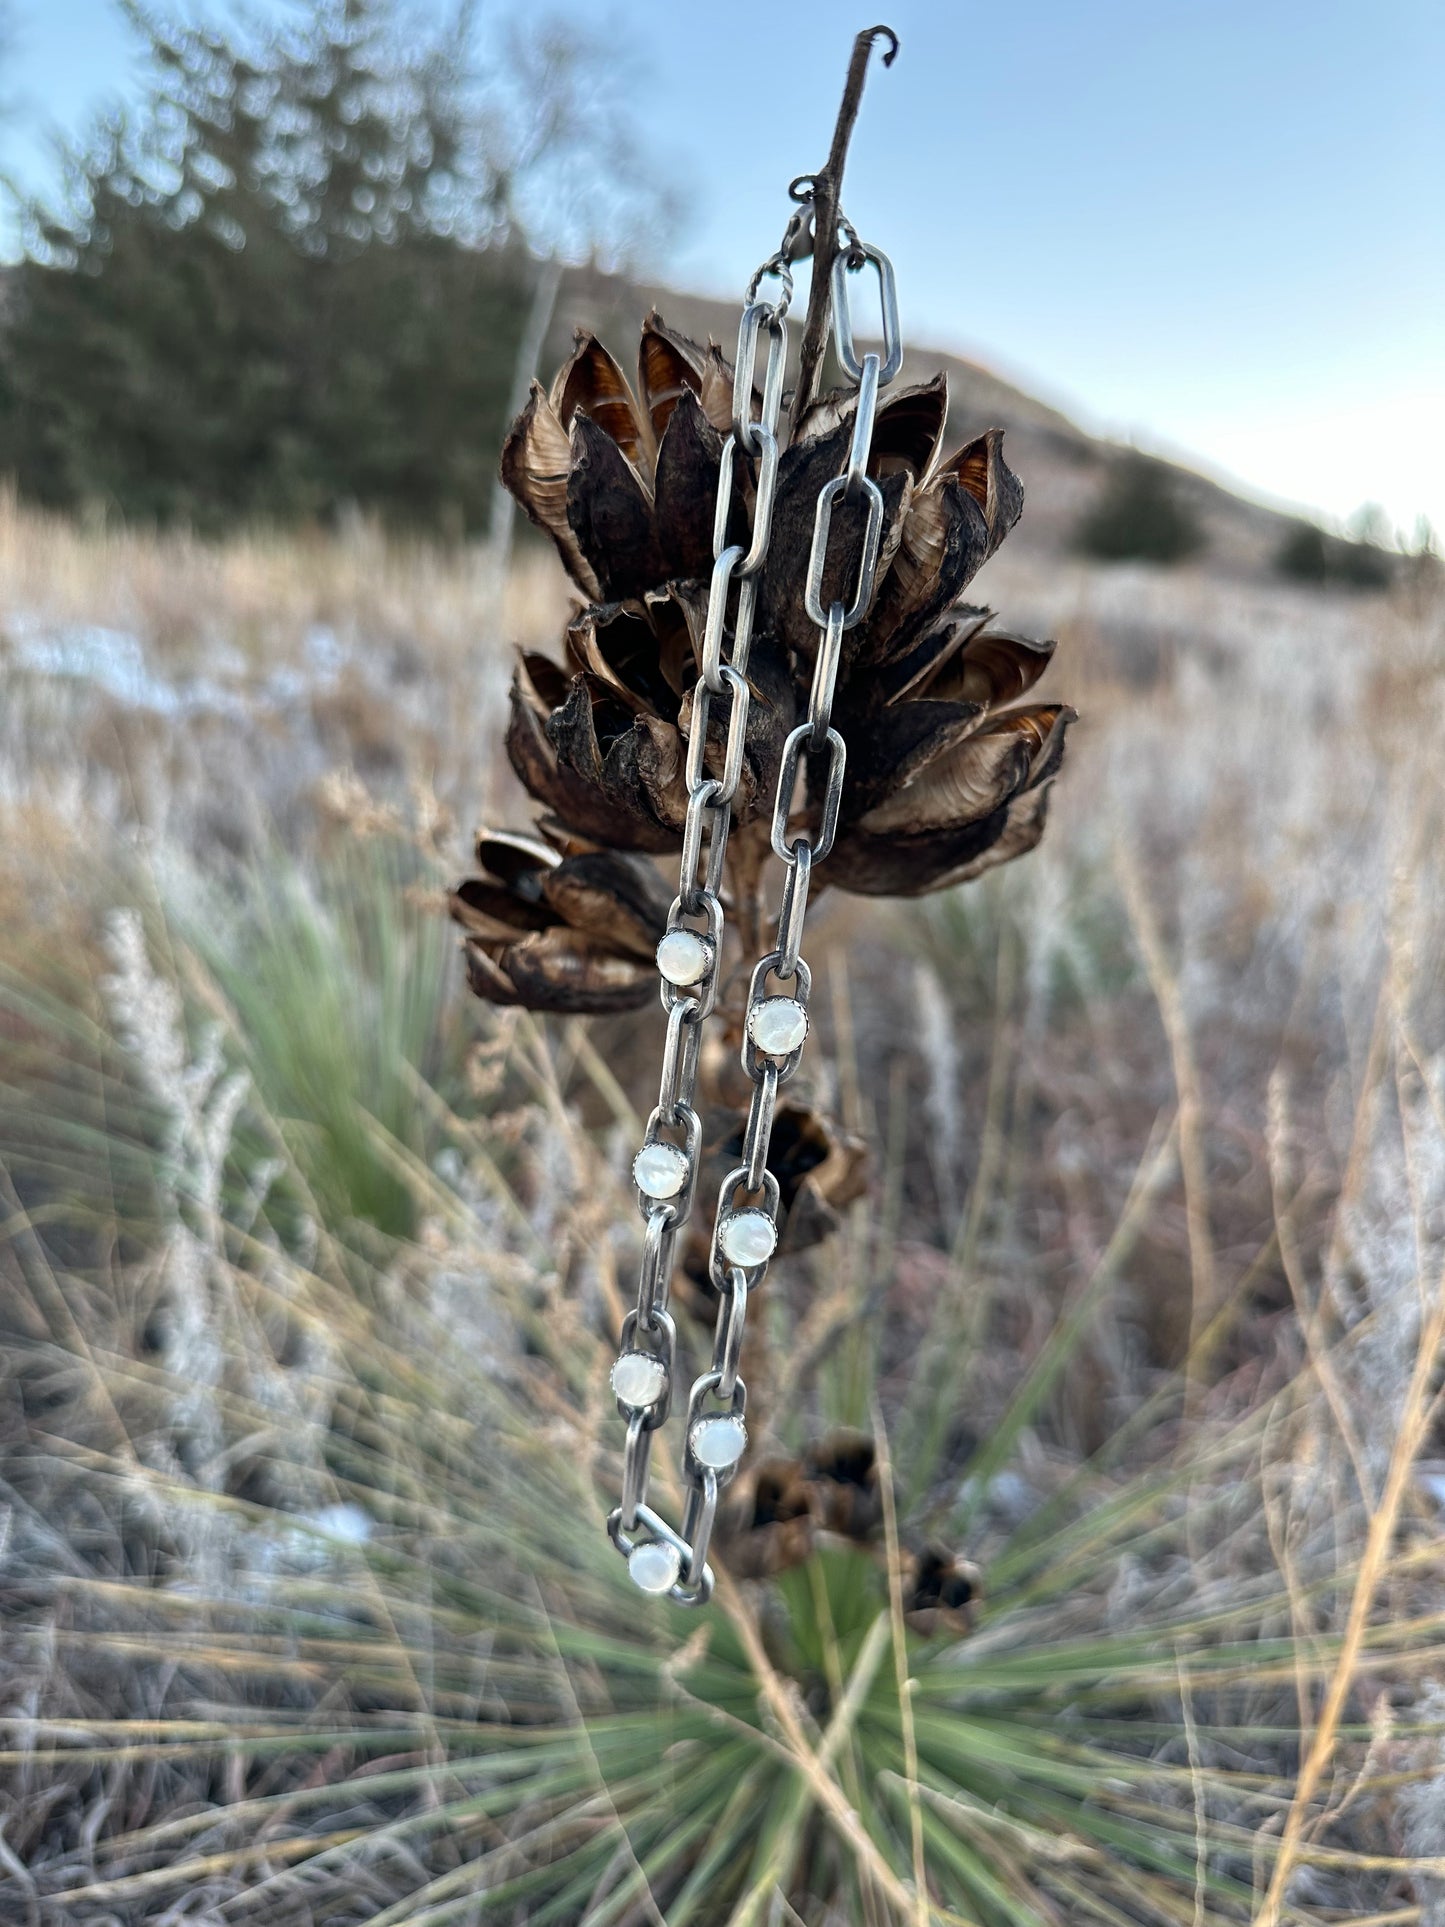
559,931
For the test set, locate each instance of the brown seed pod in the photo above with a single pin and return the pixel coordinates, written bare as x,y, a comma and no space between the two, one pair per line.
941,1591
765,1525
843,1470
944,779
573,932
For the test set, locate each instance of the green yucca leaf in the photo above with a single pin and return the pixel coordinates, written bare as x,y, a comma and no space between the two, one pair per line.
458,1709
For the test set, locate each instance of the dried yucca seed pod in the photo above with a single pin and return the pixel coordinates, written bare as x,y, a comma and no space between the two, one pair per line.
766,1523
948,771
941,1592
843,1471
820,1169
558,926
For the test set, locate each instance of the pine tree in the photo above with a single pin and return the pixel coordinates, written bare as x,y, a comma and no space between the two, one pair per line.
1138,516
293,281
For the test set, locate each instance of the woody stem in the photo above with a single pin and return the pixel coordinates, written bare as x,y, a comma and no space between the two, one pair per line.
827,202
745,867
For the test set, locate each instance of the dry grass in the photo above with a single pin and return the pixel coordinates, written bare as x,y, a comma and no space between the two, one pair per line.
1148,1299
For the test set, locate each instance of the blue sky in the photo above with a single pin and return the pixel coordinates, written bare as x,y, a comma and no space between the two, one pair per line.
1216,227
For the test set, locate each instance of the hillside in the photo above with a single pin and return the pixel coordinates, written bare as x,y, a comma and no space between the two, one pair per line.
435,430
1061,464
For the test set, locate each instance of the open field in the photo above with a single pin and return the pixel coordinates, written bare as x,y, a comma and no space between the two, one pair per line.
311,1270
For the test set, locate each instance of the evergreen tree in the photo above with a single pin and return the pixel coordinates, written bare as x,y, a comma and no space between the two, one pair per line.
1307,554
1303,554
1138,515
294,280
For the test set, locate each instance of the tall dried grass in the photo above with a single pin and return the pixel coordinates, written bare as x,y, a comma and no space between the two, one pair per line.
313,1274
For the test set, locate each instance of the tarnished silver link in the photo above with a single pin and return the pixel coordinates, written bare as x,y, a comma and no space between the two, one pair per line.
725,566
735,742
794,907
719,1264
760,1125
759,316
758,438
654,1277
704,812
715,868
753,1060
708,1385
660,1532
861,253
657,1339
727,1346
706,1480
636,1458
867,561
768,452
697,1523
699,997
862,443
679,1058
684,1118
794,747
825,677
664,1560
715,629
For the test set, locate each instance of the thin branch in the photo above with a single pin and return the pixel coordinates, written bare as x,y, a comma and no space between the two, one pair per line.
900,1664
814,1768
827,203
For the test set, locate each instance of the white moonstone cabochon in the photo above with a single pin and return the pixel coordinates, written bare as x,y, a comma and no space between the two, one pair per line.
747,1238
638,1378
659,1170
683,957
654,1565
718,1442
777,1025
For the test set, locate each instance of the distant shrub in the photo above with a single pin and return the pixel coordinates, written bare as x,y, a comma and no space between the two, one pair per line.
1360,565
1307,554
1138,516
295,277
1302,554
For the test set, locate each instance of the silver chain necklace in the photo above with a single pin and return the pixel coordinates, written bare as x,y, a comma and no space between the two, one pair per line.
661,1558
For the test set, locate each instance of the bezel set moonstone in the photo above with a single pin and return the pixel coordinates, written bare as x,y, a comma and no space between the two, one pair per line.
719,1441
655,1565
639,1379
684,958
660,1171
747,1238
778,1025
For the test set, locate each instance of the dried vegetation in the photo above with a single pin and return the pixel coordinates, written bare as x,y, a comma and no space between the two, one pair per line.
311,1272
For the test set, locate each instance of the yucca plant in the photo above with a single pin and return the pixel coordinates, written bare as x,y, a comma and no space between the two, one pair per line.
945,779
948,772
310,1616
